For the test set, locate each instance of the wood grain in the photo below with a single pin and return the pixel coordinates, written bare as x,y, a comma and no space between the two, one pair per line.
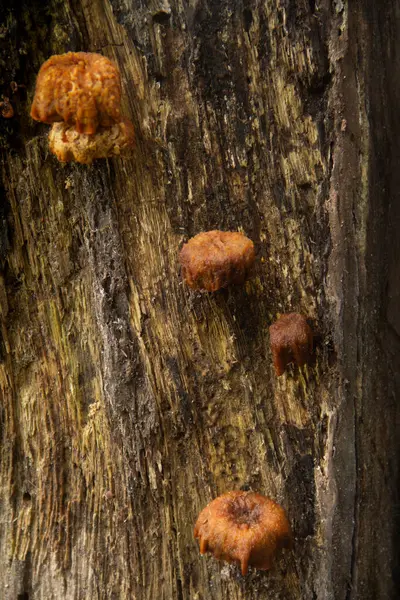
128,401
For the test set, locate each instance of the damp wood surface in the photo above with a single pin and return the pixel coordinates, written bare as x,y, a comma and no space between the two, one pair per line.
128,401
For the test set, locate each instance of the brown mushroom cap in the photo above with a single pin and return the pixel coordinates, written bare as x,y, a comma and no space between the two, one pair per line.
214,259
6,109
68,145
291,340
243,527
80,88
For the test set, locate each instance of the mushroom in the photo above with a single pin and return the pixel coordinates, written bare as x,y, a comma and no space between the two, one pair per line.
68,145
80,94
215,259
6,109
291,340
244,527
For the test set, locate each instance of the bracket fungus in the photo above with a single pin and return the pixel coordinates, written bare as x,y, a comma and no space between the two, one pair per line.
243,527
215,259
291,340
79,93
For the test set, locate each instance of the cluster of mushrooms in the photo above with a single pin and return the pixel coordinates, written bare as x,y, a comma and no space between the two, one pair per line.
79,94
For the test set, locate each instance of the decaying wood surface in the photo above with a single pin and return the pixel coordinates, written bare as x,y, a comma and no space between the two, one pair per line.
128,401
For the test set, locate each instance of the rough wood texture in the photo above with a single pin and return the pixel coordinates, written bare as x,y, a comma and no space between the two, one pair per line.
128,401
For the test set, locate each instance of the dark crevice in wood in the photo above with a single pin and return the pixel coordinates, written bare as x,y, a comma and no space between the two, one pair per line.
161,17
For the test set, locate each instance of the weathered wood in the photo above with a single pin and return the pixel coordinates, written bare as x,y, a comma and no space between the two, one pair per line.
128,401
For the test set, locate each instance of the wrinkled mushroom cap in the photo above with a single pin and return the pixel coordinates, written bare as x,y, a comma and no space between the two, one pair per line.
68,145
215,259
80,88
244,527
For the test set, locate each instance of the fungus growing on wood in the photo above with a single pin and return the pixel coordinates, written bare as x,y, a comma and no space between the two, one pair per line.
67,144
79,88
80,94
215,259
243,527
291,340
6,109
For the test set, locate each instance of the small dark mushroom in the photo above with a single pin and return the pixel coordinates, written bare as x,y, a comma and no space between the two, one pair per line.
291,340
6,109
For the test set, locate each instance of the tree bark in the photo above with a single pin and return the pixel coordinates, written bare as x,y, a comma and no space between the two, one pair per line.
128,401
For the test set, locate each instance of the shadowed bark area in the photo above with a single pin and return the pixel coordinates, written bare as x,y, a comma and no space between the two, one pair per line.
127,401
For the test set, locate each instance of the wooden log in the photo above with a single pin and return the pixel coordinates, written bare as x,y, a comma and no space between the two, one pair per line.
127,401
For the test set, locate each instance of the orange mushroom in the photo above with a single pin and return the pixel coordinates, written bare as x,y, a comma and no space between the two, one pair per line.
215,259
80,94
68,145
79,88
244,527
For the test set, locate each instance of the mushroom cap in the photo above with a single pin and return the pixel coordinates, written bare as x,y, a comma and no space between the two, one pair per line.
69,145
214,259
291,340
243,527
80,88
6,109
